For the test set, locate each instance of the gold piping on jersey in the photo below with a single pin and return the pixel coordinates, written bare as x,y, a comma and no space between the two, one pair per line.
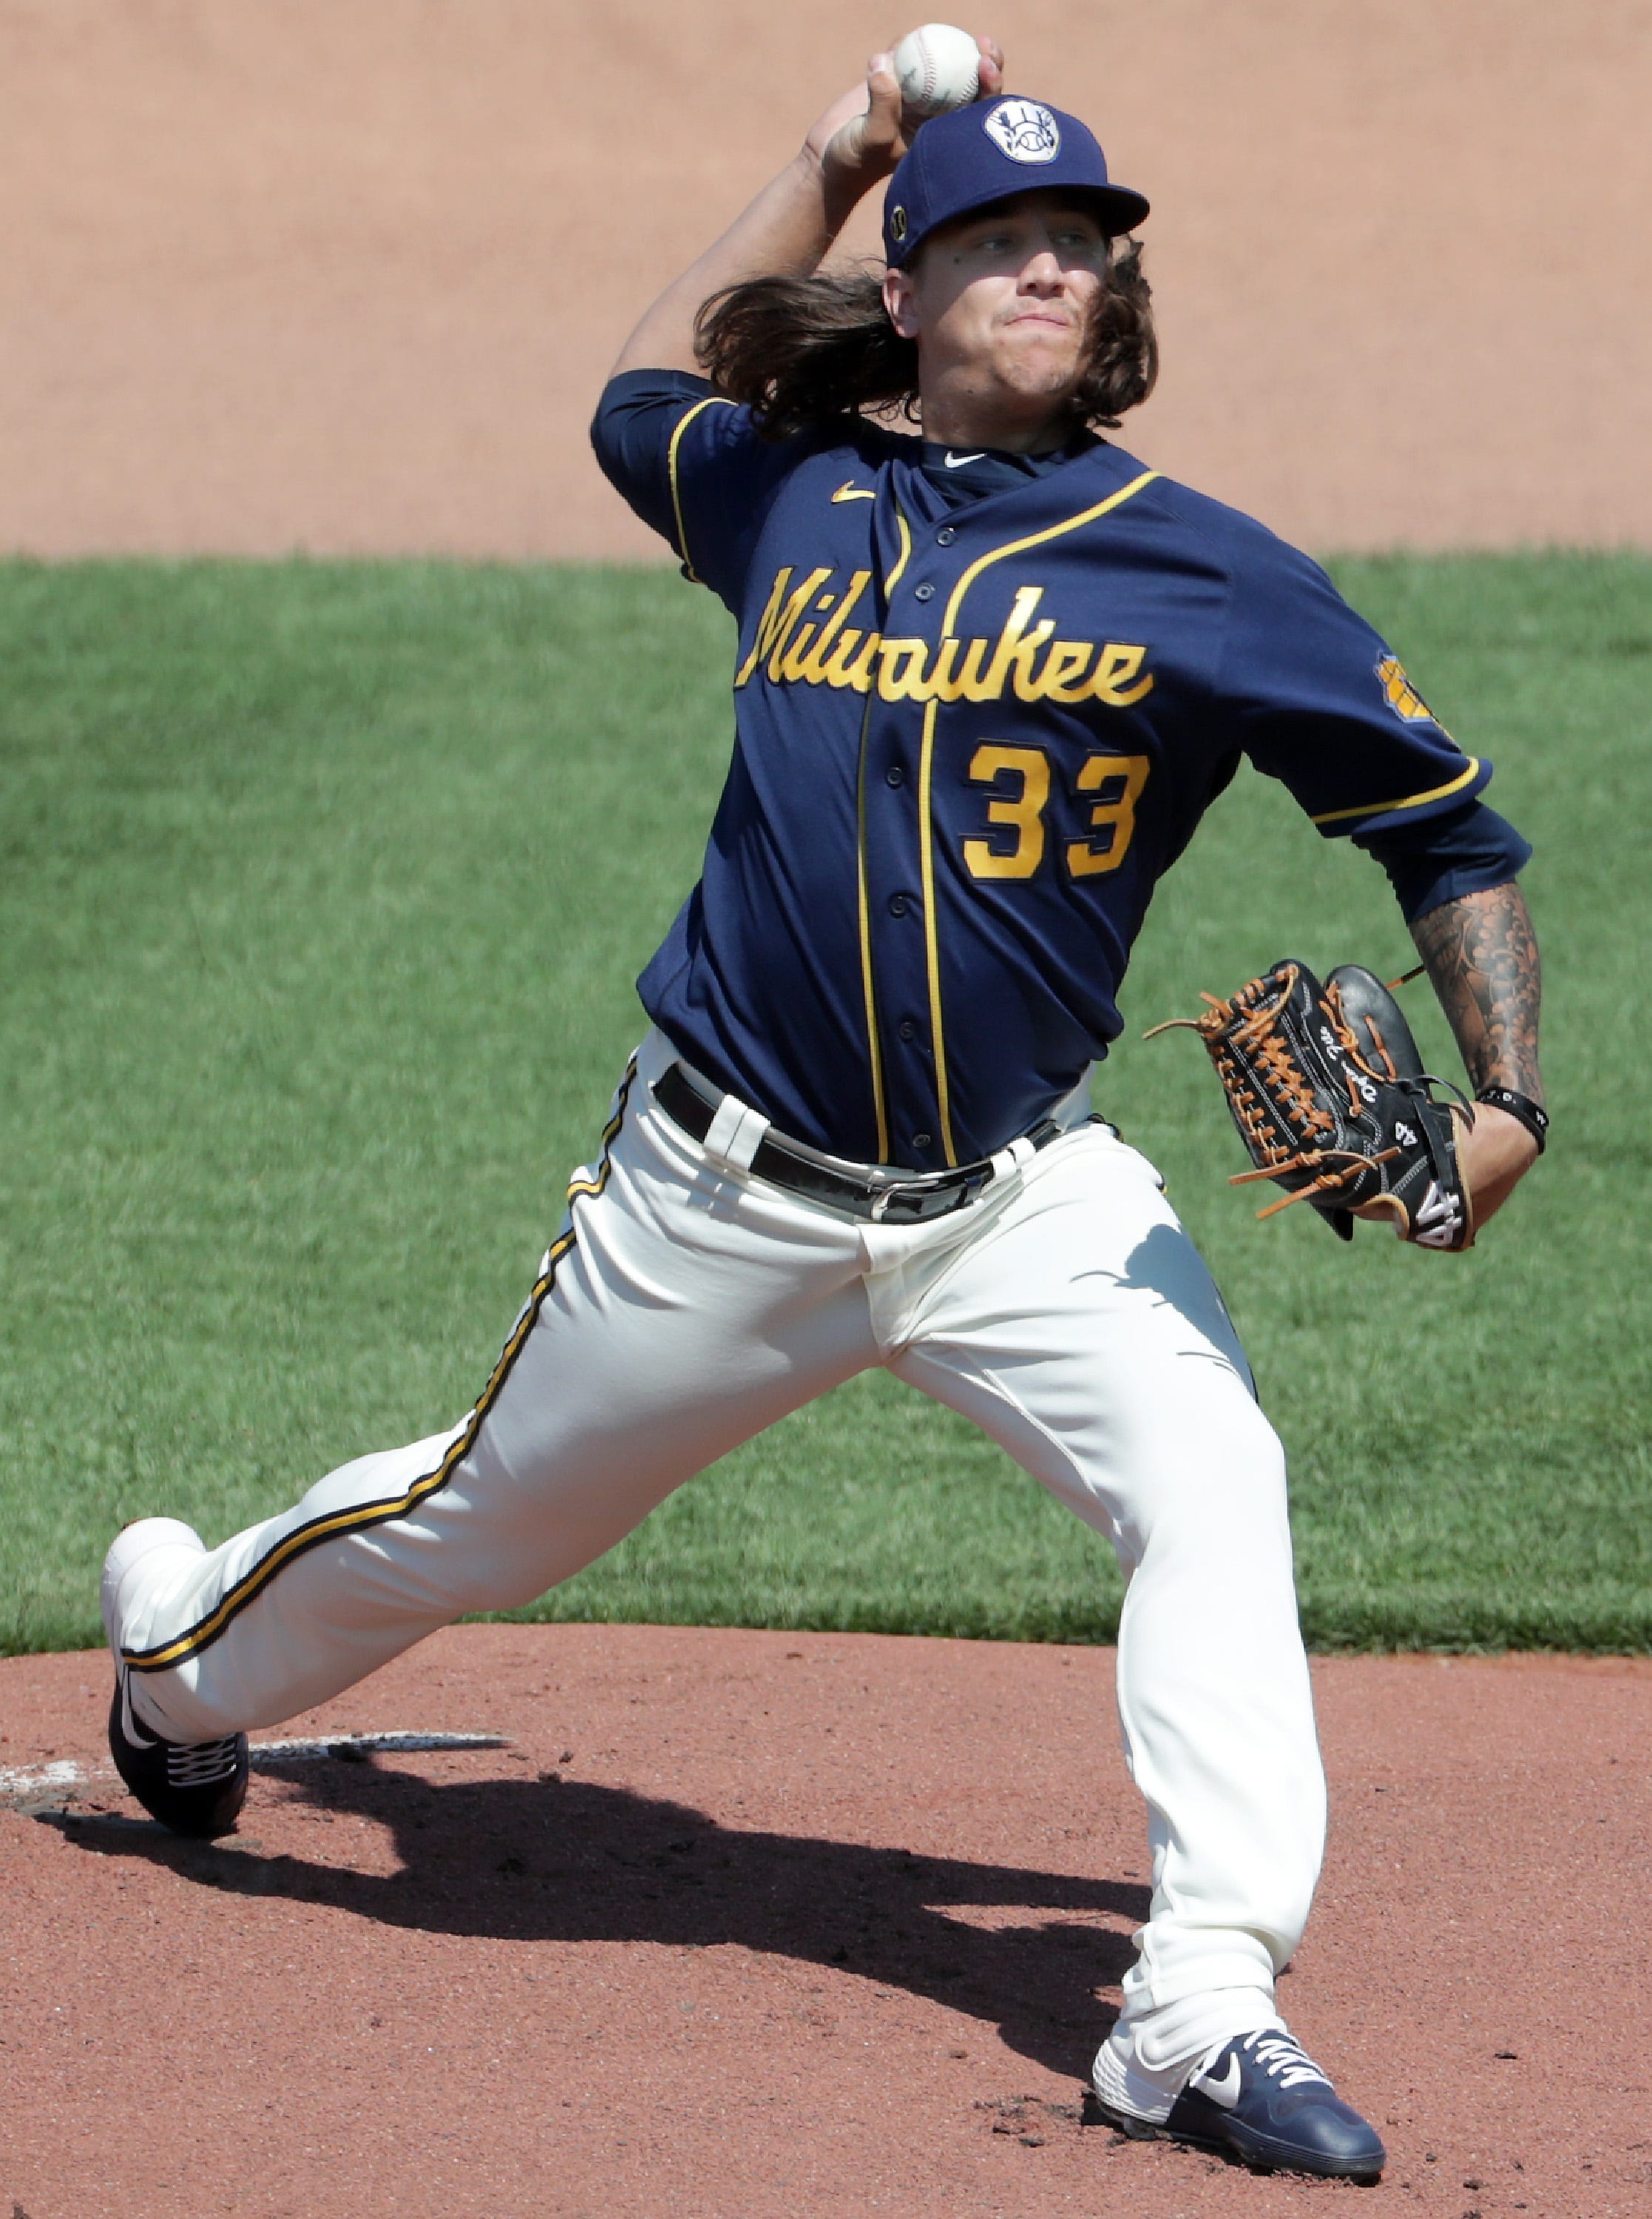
1037,539
683,423
1411,800
362,1515
874,1046
905,554
931,941
1025,607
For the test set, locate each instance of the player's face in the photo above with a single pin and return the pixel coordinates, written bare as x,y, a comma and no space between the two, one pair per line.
999,305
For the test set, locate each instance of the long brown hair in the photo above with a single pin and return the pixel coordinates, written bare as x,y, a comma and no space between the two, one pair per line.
801,352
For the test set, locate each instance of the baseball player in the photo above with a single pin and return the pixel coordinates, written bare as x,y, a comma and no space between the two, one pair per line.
990,671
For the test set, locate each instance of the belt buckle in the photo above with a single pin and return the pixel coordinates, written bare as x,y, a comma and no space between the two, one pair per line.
947,1200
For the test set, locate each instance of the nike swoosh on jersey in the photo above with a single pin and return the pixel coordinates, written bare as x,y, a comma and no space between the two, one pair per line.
1224,2091
849,491
957,462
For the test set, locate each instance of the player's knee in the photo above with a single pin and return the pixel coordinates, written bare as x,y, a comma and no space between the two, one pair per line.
1254,1461
1206,1482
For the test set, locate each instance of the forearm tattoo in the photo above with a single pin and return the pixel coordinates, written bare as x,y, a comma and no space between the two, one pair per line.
1482,954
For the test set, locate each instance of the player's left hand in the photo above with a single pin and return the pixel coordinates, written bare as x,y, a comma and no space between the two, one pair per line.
858,140
1493,1155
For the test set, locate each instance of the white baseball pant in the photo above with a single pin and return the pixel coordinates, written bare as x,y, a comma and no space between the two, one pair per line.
686,1305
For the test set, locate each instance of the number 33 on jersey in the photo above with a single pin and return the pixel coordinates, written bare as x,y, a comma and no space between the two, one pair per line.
806,636
971,736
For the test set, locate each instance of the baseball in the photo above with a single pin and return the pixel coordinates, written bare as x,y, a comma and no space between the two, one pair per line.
938,68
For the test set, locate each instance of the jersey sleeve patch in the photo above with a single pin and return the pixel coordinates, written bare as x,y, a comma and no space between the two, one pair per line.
1402,696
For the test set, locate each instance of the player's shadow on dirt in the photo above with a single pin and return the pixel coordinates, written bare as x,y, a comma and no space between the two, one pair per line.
567,1861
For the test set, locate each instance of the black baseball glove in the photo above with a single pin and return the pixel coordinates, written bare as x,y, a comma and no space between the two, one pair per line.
1330,1096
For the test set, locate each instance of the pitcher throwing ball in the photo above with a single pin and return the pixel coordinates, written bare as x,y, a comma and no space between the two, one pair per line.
990,672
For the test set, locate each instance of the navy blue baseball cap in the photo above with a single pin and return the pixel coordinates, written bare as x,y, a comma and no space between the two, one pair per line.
971,156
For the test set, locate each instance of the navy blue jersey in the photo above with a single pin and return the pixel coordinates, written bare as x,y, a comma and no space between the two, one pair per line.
971,734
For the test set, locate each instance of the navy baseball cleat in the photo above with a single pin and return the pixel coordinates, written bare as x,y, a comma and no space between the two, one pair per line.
193,1787
1259,2097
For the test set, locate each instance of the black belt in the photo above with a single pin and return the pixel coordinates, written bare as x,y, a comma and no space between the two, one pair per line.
891,1201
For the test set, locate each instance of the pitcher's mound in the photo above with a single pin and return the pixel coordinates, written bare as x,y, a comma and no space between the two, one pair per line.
621,1920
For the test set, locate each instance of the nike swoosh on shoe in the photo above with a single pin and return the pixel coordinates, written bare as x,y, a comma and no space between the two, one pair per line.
1224,2091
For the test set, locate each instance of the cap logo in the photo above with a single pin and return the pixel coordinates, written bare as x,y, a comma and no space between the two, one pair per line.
1025,130
897,224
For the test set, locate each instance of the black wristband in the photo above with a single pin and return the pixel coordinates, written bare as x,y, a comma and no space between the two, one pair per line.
1535,1120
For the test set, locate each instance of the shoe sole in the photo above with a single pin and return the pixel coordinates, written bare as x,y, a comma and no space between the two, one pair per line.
1259,2157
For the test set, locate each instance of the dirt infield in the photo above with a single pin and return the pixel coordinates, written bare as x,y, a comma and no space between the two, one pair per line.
741,1924
348,278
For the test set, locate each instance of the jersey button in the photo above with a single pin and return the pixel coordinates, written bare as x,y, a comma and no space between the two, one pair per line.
895,775
923,594
946,536
922,1139
897,905
907,1029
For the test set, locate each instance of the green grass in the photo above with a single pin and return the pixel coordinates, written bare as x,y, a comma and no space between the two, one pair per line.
322,888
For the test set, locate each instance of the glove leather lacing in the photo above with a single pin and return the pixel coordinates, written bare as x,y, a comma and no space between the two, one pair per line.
1247,1020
